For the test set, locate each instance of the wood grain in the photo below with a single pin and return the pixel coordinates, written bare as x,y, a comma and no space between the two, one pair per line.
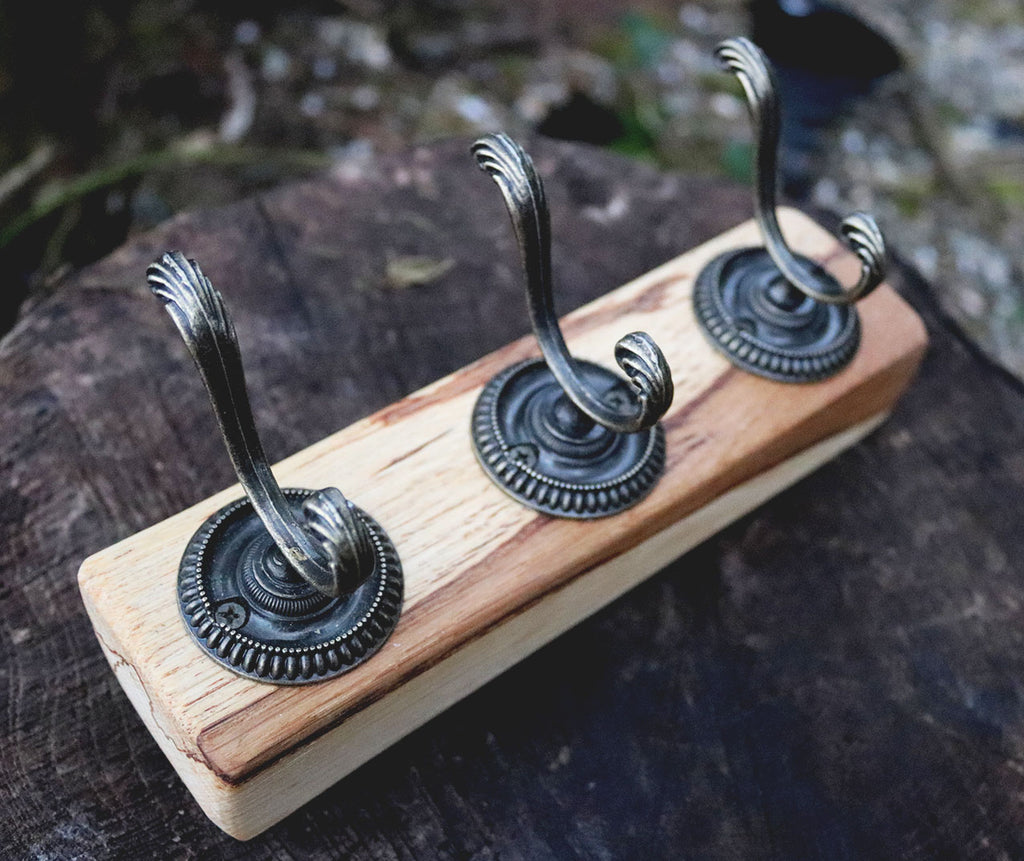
486,579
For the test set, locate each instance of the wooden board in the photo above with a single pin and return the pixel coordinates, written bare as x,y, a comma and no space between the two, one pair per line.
487,581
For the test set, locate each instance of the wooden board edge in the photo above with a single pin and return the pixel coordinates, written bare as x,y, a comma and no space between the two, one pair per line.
246,809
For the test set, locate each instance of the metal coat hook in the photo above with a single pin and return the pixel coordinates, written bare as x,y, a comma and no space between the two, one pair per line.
287,586
636,353
771,311
564,436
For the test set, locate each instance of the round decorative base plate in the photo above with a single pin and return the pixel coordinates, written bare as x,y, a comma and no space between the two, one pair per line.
247,612
540,449
750,313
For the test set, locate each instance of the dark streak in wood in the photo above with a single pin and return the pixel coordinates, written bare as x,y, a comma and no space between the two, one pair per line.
413,451
678,418
651,299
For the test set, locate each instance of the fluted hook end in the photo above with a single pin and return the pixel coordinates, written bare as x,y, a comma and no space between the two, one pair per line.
859,231
192,301
862,236
649,374
496,153
332,549
344,537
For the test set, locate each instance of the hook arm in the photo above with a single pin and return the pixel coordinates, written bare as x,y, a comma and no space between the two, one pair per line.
333,550
637,354
859,231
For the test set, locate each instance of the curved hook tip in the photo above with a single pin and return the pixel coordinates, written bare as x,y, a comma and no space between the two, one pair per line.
345,539
647,368
862,236
749,64
738,53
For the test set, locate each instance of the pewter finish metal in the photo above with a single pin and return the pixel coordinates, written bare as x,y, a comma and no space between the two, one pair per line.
751,315
773,312
537,447
283,586
859,230
245,609
331,548
639,357
565,437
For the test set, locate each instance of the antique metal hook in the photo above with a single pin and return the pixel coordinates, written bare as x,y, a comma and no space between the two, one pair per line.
771,311
289,586
564,436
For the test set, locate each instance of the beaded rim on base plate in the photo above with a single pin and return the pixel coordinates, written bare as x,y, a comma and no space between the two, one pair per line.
550,494
286,665
813,360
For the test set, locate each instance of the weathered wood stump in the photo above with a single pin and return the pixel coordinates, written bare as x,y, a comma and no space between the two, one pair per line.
835,676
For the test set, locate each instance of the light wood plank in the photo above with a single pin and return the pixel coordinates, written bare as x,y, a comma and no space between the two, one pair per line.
487,581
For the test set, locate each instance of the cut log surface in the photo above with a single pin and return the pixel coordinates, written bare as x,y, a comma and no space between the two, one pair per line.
834,676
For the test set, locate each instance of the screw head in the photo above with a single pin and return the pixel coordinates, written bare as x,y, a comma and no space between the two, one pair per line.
233,618
231,614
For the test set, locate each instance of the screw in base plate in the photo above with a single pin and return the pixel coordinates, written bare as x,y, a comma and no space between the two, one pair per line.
250,612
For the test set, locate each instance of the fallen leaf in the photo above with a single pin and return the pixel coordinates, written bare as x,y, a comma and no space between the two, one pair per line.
414,271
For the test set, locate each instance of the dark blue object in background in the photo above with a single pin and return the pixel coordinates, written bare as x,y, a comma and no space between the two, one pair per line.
825,58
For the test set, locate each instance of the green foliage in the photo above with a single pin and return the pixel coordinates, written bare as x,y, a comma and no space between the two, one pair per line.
637,43
738,161
645,40
1008,189
60,195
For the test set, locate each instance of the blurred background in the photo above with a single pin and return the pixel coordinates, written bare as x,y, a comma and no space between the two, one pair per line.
116,115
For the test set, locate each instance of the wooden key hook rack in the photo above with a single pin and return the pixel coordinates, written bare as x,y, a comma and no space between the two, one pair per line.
487,580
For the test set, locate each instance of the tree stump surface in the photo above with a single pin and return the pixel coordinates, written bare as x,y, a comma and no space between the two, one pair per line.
835,676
